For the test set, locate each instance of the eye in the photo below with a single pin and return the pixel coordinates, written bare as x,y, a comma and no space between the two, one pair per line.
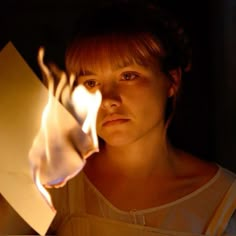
128,76
90,83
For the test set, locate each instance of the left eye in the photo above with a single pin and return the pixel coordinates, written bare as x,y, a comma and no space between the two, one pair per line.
127,76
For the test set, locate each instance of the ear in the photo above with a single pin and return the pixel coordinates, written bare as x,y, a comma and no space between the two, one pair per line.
175,81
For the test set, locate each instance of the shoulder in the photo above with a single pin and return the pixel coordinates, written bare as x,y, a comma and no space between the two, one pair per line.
231,227
204,173
226,179
201,170
220,182
231,176
225,214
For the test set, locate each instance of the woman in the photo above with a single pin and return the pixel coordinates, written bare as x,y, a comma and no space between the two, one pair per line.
138,183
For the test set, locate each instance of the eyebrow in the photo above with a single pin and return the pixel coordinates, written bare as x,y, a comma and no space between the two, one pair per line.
116,67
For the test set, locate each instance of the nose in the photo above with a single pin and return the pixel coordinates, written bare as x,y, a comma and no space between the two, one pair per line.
111,98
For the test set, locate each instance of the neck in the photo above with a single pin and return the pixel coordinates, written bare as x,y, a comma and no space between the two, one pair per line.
143,158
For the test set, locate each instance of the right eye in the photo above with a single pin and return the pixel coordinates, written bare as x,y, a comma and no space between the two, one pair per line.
91,83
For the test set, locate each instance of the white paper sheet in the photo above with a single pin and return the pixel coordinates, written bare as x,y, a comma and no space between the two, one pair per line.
22,99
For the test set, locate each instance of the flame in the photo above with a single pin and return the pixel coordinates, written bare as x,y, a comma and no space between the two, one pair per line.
90,108
65,139
42,190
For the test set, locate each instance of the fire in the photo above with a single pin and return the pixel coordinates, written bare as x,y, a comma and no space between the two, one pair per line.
42,190
66,136
86,109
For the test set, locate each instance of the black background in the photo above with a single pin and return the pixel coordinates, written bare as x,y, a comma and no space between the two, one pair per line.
205,121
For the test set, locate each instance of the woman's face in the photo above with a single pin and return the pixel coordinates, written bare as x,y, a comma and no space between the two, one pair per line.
133,102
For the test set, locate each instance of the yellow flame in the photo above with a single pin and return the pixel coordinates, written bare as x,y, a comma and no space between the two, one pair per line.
42,190
52,166
90,108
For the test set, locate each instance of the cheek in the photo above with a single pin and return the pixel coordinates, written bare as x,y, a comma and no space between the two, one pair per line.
151,105
100,116
149,97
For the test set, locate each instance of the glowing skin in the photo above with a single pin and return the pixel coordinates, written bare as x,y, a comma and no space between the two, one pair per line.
133,104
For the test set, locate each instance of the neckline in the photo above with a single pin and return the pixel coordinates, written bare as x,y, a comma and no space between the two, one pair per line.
152,209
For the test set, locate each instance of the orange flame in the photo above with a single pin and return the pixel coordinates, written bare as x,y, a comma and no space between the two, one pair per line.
65,139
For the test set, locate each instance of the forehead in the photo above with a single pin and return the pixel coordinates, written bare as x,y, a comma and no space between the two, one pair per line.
112,52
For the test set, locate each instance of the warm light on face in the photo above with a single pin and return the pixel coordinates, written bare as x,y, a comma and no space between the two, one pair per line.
65,139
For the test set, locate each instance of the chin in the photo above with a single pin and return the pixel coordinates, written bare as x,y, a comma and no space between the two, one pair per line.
117,140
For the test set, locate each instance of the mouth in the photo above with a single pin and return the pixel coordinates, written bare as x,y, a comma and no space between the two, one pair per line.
114,120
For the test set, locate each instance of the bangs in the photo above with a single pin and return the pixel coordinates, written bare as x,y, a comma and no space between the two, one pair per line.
113,50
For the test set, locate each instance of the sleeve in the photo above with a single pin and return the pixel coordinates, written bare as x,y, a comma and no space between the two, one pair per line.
231,227
224,218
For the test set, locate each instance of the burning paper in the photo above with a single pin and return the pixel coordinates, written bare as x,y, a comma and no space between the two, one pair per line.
23,98
64,140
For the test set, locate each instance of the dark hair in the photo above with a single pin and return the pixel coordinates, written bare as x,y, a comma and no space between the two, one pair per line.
135,21
124,33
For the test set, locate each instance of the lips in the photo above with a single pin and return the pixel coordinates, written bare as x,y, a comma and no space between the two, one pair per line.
114,120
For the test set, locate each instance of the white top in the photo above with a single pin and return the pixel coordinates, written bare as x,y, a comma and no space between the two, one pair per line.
83,210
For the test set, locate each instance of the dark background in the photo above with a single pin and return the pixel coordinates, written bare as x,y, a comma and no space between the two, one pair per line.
206,116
